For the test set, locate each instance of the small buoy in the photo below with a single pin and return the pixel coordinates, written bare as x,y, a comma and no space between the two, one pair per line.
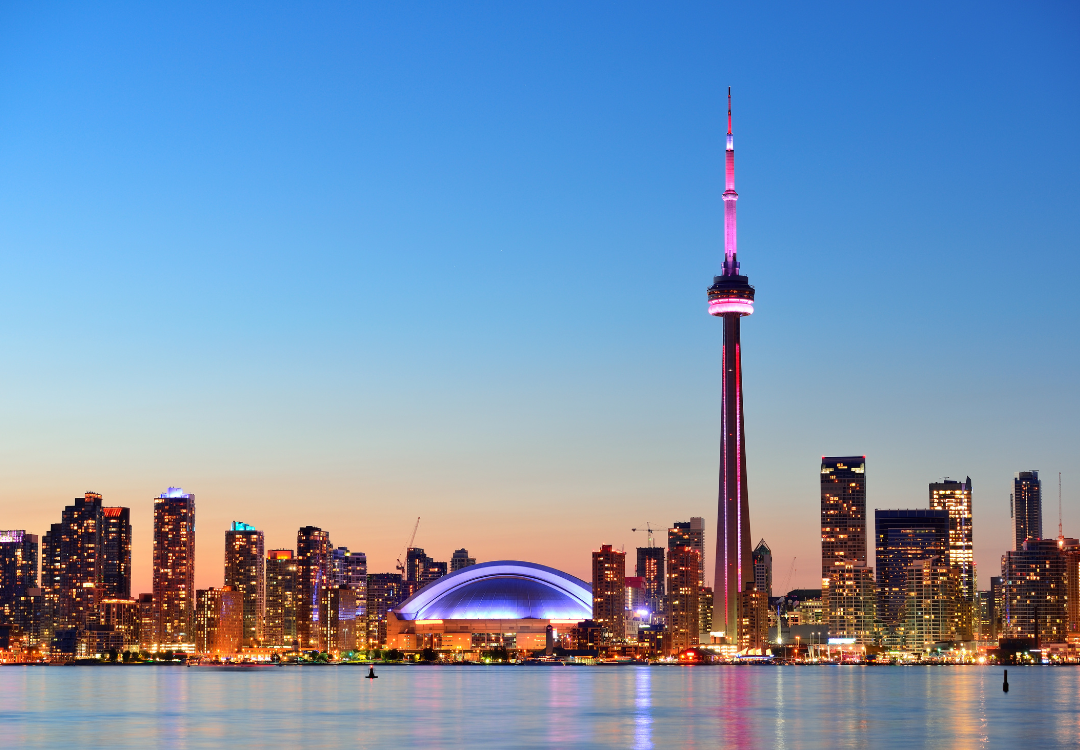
1005,685
372,676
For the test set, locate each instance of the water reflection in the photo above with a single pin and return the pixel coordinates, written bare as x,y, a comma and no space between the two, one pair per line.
643,708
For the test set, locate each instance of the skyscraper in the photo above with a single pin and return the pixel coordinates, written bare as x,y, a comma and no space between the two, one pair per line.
609,592
116,541
245,572
1026,507
51,566
1035,591
903,537
281,596
313,575
174,566
843,511
81,561
690,533
730,298
337,619
460,559
930,610
683,607
18,574
350,569
763,569
650,568
384,591
420,569
955,498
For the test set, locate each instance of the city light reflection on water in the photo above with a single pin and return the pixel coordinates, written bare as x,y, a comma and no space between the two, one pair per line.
509,707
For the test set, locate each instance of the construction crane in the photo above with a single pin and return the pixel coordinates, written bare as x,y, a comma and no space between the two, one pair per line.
400,565
649,533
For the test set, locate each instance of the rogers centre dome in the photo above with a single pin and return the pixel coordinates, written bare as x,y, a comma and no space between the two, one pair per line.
496,604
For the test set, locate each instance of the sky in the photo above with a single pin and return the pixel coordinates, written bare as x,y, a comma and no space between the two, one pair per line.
349,265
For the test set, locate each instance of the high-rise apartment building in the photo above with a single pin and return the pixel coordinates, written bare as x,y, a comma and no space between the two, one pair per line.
18,574
754,620
81,561
174,566
690,533
384,591
1026,507
1035,591
609,592
51,565
122,616
650,568
1071,549
350,569
245,572
997,596
219,622
313,575
460,559
843,512
901,538
420,569
931,609
763,569
281,595
116,543
337,619
849,601
683,606
955,498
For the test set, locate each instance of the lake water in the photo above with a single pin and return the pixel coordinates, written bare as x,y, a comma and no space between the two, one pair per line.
520,707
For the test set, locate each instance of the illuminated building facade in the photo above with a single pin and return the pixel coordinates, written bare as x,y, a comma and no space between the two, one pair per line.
763,568
705,612
753,620
313,575
384,592
690,534
609,591
683,607
337,619
116,543
849,600
219,622
997,596
121,616
460,559
955,498
930,609
51,565
350,569
507,604
650,568
81,561
174,566
1026,507
843,511
281,596
18,574
1035,591
730,298
901,538
148,622
245,572
1071,549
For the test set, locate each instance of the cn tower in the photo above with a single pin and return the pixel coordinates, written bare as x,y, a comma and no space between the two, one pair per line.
730,298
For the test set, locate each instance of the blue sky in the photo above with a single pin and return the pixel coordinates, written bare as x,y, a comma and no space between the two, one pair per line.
347,265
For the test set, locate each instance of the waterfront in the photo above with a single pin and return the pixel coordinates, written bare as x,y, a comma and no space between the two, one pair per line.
499,707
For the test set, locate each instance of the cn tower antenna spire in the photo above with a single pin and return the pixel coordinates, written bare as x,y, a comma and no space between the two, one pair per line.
731,265
729,110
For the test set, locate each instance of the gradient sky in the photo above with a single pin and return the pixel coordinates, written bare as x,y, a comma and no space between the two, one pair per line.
346,266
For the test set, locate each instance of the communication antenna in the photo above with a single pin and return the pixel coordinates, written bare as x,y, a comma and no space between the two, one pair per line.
1061,536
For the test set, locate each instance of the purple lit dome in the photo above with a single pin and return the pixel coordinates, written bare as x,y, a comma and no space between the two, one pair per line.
503,590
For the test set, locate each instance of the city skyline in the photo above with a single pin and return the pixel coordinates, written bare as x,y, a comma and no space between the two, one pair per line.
222,276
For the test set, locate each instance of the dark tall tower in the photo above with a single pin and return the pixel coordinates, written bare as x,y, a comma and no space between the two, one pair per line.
116,540
650,568
901,538
81,561
18,574
280,622
174,566
1027,507
730,298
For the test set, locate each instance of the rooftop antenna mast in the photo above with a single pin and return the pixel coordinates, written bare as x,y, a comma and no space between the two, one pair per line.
1061,535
